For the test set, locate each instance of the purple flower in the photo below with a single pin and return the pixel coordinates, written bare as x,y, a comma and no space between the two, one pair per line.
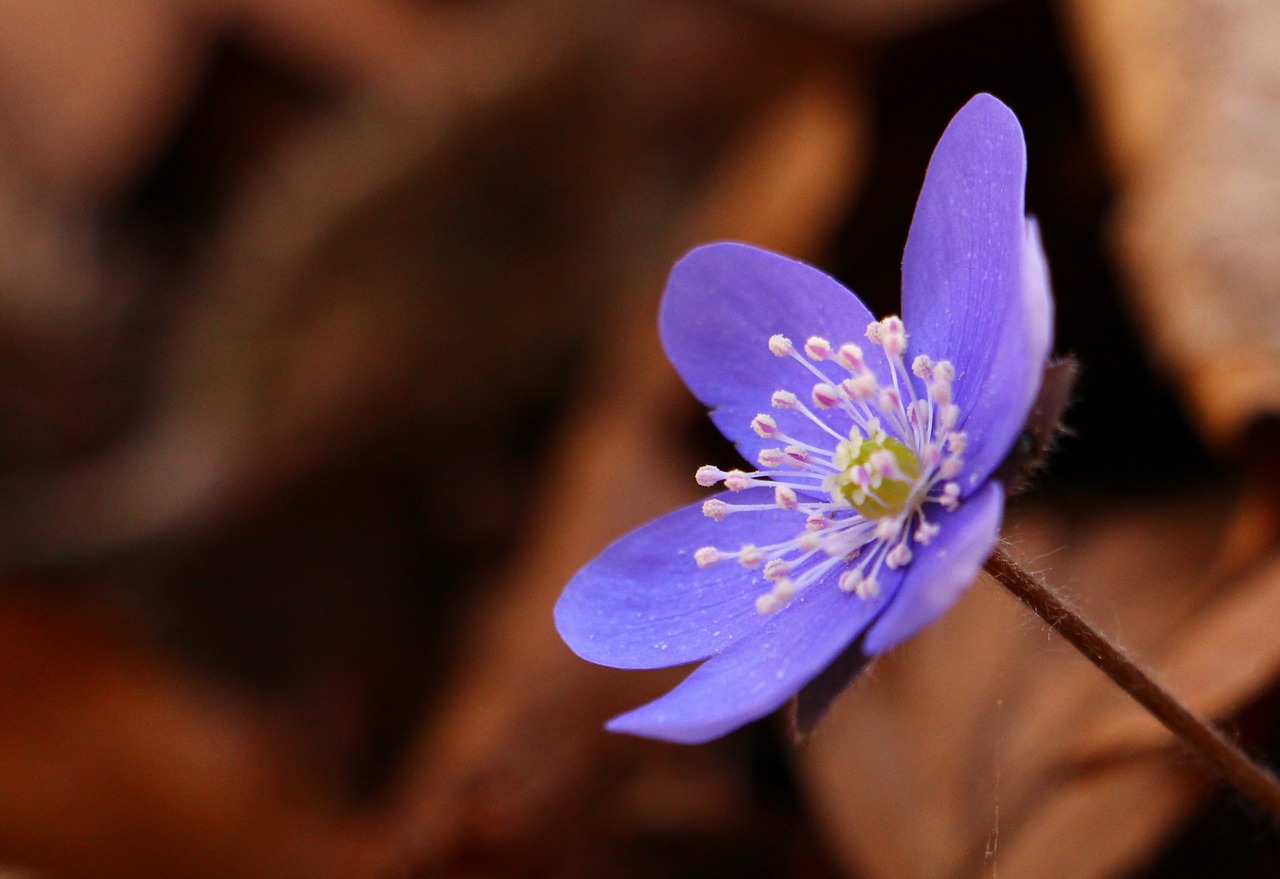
874,504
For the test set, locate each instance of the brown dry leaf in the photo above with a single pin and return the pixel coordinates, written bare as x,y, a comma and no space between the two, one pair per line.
517,755
114,762
1194,132
987,746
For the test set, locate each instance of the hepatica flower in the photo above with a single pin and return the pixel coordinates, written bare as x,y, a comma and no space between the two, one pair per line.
872,502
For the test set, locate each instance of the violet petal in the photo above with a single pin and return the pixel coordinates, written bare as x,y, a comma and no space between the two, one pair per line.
723,303
762,671
644,602
974,286
943,570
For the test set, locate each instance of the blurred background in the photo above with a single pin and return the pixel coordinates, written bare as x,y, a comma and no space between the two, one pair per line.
328,354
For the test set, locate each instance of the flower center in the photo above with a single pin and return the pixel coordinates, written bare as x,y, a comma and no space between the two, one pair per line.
879,478
865,491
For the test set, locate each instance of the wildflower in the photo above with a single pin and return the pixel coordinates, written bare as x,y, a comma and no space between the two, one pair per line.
875,502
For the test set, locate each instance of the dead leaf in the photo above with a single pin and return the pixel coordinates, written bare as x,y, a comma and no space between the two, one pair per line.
987,746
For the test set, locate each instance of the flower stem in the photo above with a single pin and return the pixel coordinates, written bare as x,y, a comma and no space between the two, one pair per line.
1206,740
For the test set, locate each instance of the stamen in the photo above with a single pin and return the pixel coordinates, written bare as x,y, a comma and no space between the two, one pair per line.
781,346
769,458
707,556
776,569
708,475
784,400
785,497
817,348
862,492
850,357
926,532
898,557
825,396
764,426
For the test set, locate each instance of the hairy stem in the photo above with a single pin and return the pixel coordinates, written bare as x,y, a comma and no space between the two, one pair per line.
1206,740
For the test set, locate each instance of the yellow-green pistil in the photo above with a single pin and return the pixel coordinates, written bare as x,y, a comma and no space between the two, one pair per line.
874,489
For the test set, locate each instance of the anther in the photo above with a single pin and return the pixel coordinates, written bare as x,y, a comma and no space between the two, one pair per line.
784,497
817,348
796,456
817,522
780,345
887,529
950,496
948,416
708,475
750,556
825,396
784,400
706,556
944,371
714,508
736,480
850,357
776,569
873,332
893,336
926,532
861,387
890,401
922,367
767,605
764,426
898,557
770,458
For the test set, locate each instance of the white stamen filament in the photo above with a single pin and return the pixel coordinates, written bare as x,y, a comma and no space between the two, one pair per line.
862,497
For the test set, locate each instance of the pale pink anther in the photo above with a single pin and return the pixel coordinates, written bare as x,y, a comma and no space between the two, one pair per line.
714,508
784,400
796,456
750,556
922,367
776,569
825,396
785,497
736,480
887,529
764,426
708,476
889,401
861,387
850,357
780,345
926,532
771,458
898,557
817,348
706,556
